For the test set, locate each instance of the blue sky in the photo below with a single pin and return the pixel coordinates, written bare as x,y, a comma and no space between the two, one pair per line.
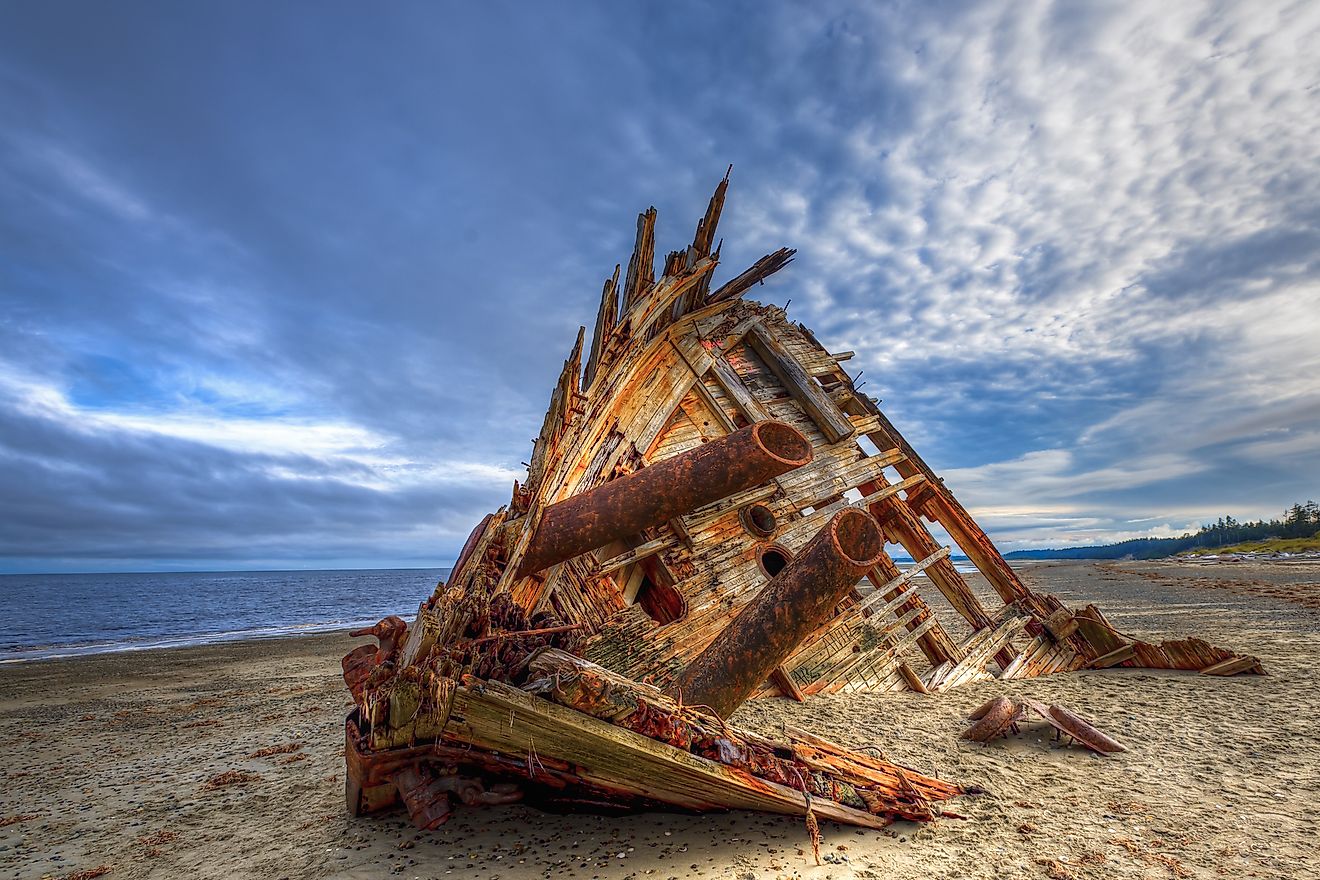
287,285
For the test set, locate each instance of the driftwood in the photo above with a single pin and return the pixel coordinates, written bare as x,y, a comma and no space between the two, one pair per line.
674,550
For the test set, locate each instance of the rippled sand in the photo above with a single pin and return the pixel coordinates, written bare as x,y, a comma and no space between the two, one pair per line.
226,762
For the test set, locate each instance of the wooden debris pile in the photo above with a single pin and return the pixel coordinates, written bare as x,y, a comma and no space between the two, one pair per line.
501,712
712,512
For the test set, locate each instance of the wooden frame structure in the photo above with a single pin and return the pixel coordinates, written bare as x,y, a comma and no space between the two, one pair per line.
675,370
672,365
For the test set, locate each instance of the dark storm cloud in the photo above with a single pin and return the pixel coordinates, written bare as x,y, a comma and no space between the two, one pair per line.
291,282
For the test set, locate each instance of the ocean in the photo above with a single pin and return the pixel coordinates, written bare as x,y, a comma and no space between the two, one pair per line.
61,615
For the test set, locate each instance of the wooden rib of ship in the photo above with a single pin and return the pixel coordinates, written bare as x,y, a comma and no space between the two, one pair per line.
711,513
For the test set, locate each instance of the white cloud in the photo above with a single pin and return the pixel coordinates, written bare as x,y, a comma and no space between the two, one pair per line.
83,178
1118,190
354,455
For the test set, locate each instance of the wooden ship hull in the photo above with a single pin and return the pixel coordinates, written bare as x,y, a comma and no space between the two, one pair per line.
706,518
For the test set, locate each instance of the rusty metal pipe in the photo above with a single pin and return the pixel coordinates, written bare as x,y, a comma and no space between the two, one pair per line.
789,608
669,488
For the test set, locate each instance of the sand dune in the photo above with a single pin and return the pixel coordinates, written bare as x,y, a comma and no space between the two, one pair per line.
226,762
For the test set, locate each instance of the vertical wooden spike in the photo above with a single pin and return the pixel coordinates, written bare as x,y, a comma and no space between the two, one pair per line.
573,366
641,268
701,247
706,226
605,318
560,412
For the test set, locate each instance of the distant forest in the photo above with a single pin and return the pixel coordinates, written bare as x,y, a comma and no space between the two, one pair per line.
1299,521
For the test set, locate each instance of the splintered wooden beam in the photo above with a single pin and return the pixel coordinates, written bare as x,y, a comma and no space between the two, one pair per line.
759,271
641,267
702,243
503,719
705,237
886,789
661,298
817,404
563,406
606,316
573,366
864,769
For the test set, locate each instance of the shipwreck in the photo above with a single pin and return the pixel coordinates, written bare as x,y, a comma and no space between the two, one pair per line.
711,513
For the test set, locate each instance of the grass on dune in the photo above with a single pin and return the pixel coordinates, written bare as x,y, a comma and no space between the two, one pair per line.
1267,545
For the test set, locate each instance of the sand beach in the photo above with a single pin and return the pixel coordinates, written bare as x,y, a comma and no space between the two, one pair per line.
225,761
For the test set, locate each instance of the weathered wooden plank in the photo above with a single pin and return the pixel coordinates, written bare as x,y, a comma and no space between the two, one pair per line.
899,522
887,587
979,649
499,718
1097,632
638,553
826,476
641,267
935,642
913,680
1114,657
606,317
733,386
827,415
758,272
785,683
1231,666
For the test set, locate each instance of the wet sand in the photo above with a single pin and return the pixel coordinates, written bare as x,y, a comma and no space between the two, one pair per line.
226,762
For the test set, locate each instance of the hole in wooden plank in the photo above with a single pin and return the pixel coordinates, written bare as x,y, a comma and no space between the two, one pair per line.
661,604
759,520
657,595
773,559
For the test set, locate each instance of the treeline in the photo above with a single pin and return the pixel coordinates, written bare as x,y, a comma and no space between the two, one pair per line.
1299,521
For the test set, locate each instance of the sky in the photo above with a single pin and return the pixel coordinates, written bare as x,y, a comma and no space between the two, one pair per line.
288,285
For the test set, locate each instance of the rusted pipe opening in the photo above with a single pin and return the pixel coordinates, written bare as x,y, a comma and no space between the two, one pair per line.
857,537
759,520
773,559
782,442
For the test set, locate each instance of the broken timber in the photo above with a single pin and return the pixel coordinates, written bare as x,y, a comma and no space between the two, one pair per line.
705,519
